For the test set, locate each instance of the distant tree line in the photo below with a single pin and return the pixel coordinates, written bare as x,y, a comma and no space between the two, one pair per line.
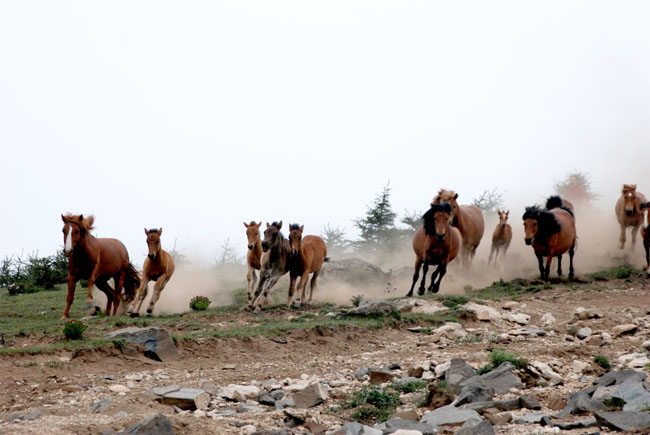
34,273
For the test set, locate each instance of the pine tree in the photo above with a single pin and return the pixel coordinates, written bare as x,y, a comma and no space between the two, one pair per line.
378,226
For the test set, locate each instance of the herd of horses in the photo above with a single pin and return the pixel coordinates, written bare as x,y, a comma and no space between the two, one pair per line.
447,230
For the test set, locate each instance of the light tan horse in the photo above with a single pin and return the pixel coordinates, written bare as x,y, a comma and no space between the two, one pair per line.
628,212
309,253
158,267
254,256
436,242
645,234
469,221
501,237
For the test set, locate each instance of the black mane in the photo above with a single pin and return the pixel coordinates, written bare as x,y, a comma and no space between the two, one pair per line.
547,223
252,223
555,201
294,227
153,230
428,217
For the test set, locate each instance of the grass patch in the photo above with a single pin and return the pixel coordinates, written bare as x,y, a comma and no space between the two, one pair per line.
452,301
408,387
509,289
499,356
53,364
602,361
372,405
614,404
623,271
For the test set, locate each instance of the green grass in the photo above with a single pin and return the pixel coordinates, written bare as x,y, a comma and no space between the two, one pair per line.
408,387
499,356
509,289
372,405
602,361
624,271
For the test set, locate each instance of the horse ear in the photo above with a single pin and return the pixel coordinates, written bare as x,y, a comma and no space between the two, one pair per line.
456,196
81,217
302,227
267,225
146,231
160,231
279,224
245,224
63,218
259,224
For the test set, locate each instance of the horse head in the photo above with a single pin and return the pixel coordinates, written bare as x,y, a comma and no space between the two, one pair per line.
153,242
75,228
531,224
253,233
272,235
629,198
539,224
448,196
295,237
437,220
503,217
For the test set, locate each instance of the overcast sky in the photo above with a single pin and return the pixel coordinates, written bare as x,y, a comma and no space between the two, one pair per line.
196,116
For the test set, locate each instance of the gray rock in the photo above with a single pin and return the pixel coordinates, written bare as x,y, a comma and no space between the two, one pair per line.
99,406
529,401
482,428
396,424
362,373
25,417
474,393
501,379
223,413
457,372
501,405
110,378
245,407
353,270
355,428
313,395
158,342
580,402
634,394
530,418
583,333
578,424
627,421
277,394
266,399
288,402
161,391
187,398
379,376
155,424
618,377
449,414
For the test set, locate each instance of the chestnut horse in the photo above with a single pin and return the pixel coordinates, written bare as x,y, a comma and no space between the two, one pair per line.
96,260
158,267
276,261
309,253
628,212
254,256
469,221
551,233
645,233
436,242
501,237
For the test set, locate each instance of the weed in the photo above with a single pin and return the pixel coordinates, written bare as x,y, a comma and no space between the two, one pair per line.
499,356
200,303
408,387
356,300
468,288
73,330
485,369
53,364
453,301
602,361
373,405
615,403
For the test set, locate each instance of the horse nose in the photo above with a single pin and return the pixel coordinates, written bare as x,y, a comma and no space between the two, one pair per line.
440,237
529,240
265,246
151,256
250,247
628,212
503,226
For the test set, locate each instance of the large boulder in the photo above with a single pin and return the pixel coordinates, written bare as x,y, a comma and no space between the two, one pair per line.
624,421
500,380
155,424
353,271
158,342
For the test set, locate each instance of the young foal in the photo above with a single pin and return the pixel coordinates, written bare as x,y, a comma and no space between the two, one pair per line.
501,237
645,233
253,257
276,261
309,254
159,267
551,233
628,212
436,242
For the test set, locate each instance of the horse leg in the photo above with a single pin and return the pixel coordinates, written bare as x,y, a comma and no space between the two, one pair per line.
312,288
254,275
434,275
119,285
416,275
442,269
300,291
635,230
268,285
264,276
292,283
249,280
72,282
134,309
547,270
572,251
492,249
540,262
157,290
425,269
559,265
102,284
621,239
91,282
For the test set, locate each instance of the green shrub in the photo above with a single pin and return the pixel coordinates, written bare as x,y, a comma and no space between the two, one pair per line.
602,361
499,356
408,387
200,303
356,300
74,329
373,405
15,289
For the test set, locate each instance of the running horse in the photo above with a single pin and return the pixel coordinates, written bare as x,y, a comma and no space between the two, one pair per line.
628,212
469,221
436,242
96,260
551,233
501,237
254,255
309,253
159,267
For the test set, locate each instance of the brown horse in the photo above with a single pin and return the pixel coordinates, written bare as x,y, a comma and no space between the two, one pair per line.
97,260
556,201
276,261
645,233
628,212
551,233
436,242
309,253
469,221
501,237
254,256
158,267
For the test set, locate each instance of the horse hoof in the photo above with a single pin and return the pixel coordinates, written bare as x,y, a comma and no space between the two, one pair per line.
256,310
134,314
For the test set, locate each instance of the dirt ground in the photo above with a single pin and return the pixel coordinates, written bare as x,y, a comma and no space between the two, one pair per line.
63,386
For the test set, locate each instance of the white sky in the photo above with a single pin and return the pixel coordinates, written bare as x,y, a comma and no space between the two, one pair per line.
196,116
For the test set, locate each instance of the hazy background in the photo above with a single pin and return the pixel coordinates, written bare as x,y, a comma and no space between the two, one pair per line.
198,116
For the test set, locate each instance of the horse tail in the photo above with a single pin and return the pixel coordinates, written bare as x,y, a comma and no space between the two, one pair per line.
131,282
554,201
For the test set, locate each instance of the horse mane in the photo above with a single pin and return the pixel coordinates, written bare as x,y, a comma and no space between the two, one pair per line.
547,223
444,195
85,222
555,201
275,224
294,227
252,223
428,217
153,230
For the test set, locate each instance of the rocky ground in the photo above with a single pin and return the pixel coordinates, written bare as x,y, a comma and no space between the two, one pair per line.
304,381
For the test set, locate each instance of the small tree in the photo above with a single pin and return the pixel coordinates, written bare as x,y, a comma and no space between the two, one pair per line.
378,226
179,258
489,201
576,187
412,220
229,256
335,238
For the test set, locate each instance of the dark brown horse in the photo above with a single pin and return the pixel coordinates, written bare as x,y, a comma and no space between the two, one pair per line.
309,254
501,237
276,261
628,212
645,233
436,242
158,267
254,256
469,221
96,260
551,233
